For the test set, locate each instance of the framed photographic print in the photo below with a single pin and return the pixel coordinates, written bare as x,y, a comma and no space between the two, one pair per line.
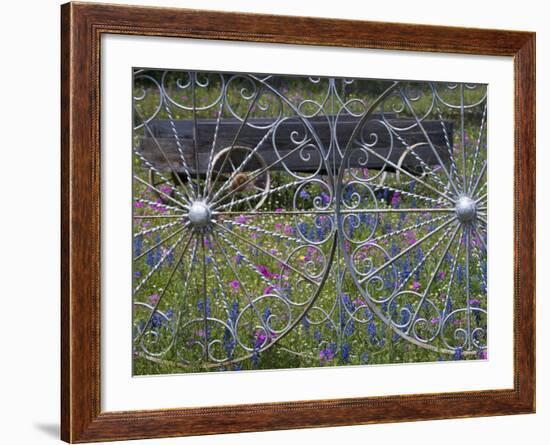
275,222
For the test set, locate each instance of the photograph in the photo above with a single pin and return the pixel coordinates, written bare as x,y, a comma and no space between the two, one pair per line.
284,221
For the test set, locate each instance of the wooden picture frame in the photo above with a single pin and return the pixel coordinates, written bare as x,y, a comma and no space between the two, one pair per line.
82,26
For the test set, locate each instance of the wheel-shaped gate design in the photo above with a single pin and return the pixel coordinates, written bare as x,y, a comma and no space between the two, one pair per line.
307,218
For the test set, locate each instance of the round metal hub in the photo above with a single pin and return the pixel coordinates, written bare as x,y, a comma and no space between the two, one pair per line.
465,209
199,214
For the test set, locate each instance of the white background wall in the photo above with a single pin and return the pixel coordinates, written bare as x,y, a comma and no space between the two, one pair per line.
29,219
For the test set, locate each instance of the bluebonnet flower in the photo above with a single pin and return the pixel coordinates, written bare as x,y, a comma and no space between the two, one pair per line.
156,320
255,358
372,332
406,267
351,227
325,198
327,354
138,244
260,338
395,200
350,328
393,308
234,312
304,194
342,318
150,258
320,233
317,335
364,358
458,354
228,343
394,249
345,352
157,250
201,307
170,257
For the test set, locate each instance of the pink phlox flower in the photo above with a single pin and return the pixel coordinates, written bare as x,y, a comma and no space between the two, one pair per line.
264,271
415,286
241,219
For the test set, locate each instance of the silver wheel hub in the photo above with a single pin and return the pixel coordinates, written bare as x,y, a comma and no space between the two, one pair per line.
465,209
199,214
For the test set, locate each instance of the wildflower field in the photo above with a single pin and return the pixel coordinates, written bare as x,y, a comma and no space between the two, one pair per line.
248,264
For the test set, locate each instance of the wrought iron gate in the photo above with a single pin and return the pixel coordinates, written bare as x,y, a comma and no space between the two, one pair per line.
308,216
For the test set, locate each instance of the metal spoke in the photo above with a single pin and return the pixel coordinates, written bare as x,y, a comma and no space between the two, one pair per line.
213,149
244,162
264,231
406,229
408,249
163,153
463,137
265,252
155,204
454,169
259,195
161,261
428,140
151,167
156,229
195,134
468,309
157,216
242,283
477,148
163,292
241,126
204,293
420,264
405,172
411,149
331,212
432,278
249,180
179,146
152,187
476,185
162,241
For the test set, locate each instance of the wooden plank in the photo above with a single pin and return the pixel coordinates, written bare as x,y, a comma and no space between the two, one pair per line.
169,157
